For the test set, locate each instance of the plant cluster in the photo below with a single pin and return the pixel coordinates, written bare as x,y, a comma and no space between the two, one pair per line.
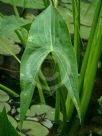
53,61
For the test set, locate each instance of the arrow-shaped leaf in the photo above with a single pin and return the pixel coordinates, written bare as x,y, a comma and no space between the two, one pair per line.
48,34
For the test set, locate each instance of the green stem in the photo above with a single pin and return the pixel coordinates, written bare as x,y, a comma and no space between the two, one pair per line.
56,3
70,106
76,20
42,98
43,79
20,36
60,100
9,90
15,8
85,60
63,107
16,58
57,106
91,70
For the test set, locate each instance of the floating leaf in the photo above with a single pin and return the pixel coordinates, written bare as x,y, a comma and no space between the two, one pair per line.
3,96
28,112
43,109
4,105
34,128
48,34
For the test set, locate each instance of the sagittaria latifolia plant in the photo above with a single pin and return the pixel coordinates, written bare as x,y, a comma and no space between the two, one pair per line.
48,35
45,38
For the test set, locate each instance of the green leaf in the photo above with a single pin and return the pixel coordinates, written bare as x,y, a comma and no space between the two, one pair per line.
3,96
6,129
4,105
36,4
7,47
86,16
12,121
48,34
43,109
34,129
9,24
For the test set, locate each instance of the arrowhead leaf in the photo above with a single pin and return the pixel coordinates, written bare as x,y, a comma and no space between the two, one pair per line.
48,34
